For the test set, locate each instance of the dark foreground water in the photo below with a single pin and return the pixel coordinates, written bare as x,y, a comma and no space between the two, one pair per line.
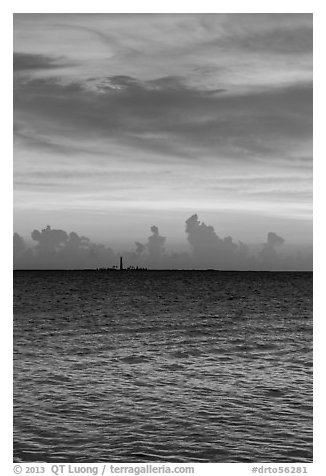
162,366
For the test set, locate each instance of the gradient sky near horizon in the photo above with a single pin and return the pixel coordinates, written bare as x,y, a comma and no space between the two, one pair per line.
124,121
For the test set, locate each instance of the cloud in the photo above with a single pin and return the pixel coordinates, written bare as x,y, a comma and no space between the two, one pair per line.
140,248
49,241
139,94
22,255
287,39
26,62
153,45
208,248
152,254
155,245
273,240
19,245
269,255
58,249
144,114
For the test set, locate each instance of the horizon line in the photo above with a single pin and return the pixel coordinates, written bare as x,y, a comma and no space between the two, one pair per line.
172,269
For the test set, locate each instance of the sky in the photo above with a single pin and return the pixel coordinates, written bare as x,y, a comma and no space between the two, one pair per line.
127,126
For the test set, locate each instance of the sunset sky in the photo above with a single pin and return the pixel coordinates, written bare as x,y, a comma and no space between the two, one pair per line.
122,122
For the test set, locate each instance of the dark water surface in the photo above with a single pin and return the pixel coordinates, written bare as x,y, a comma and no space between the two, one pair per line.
162,366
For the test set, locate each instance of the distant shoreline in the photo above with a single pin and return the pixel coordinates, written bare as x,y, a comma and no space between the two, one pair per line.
164,270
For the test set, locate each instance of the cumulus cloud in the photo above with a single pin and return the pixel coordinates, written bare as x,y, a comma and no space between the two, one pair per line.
58,249
150,254
269,255
49,240
155,245
209,249
22,254
19,245
139,248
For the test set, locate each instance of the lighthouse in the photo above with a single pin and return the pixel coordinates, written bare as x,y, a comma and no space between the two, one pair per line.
121,265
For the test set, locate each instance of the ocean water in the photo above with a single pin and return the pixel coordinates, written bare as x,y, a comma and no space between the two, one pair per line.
173,366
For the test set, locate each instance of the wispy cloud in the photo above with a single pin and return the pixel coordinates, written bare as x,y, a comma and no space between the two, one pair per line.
181,104
26,62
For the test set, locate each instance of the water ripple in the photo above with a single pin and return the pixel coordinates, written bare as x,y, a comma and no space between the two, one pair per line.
162,366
